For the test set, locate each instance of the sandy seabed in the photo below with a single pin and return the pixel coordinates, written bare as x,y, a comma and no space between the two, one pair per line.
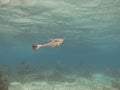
98,82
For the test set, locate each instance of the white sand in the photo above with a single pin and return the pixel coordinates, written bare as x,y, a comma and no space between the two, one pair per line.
98,82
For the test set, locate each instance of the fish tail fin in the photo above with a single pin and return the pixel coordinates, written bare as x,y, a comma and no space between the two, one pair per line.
36,46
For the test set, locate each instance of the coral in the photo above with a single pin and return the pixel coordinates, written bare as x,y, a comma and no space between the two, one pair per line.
0,75
113,72
106,88
25,68
6,72
25,72
115,84
86,72
55,75
3,83
61,67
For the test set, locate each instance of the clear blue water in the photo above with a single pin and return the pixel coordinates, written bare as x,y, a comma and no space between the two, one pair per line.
91,29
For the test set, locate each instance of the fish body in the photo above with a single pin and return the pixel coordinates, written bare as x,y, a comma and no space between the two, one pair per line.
52,43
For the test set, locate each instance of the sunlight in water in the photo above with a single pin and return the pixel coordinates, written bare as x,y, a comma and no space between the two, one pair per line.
85,35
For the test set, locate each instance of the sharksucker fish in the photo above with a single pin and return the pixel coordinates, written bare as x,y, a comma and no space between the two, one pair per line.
52,43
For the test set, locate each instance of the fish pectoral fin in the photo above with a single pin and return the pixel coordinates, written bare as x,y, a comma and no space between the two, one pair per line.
52,45
59,44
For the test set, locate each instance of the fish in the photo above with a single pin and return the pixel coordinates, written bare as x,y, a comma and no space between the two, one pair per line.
52,43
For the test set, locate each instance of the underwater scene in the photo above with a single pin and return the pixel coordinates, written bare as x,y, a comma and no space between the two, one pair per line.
59,44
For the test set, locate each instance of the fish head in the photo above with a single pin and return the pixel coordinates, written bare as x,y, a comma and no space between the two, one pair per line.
56,42
59,40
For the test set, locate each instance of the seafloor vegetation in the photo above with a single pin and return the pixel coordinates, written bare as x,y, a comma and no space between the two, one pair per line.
28,76
3,82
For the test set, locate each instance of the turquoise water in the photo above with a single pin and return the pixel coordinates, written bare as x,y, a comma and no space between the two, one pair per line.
90,29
